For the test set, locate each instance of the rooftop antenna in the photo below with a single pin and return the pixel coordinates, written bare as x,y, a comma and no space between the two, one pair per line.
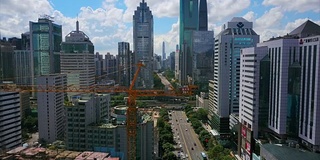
77,24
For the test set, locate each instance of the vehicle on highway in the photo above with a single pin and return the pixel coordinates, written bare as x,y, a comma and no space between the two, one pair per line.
204,156
191,148
195,144
186,129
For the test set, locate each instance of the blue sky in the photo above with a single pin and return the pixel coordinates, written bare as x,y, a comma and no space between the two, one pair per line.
108,22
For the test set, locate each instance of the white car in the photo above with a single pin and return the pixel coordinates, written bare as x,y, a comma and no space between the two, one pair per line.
186,129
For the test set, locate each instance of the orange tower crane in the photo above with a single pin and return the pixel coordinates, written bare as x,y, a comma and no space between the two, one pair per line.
131,124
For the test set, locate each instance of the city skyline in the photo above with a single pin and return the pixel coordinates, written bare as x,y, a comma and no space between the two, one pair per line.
108,22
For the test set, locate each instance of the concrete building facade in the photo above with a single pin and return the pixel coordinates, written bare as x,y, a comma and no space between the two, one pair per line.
236,34
77,60
86,131
10,120
51,115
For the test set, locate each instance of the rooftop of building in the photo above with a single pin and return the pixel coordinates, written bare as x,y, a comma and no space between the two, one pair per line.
308,28
107,125
284,152
238,19
77,36
146,118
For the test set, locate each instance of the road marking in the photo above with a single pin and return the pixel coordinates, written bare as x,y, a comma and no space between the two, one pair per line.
189,155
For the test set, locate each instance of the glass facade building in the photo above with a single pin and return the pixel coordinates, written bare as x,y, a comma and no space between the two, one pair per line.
203,15
45,40
124,64
202,45
143,44
189,18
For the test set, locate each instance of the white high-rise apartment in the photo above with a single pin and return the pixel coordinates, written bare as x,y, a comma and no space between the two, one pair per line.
10,120
51,116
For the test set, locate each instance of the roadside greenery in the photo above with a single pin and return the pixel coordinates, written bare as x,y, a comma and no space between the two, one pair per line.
214,150
169,74
157,82
166,141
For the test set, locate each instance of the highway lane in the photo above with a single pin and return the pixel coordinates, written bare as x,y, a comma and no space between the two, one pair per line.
187,137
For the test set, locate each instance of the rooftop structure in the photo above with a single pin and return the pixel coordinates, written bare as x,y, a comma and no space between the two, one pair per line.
282,152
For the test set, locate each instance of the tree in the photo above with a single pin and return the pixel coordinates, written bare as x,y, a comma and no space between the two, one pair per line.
160,122
168,137
167,147
202,114
169,156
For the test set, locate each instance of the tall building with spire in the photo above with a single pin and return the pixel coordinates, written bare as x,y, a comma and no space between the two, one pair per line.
77,59
203,16
143,44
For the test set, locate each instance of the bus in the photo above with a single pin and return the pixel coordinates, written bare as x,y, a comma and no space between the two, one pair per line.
204,156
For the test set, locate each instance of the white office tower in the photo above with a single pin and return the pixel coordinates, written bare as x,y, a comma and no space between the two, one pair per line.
249,97
279,52
249,86
309,121
237,34
10,120
77,60
51,116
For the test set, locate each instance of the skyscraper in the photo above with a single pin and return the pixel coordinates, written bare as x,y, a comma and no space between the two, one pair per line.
202,54
124,64
163,51
237,34
143,44
203,16
51,115
45,40
77,59
189,17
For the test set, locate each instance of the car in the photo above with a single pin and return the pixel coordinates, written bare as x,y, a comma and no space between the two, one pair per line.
191,148
195,144
186,129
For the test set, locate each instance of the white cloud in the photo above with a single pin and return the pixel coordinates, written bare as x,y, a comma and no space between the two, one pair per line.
171,39
159,8
219,10
14,19
300,5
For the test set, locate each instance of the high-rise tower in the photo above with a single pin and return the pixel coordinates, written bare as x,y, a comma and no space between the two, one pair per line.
124,64
189,17
203,16
143,44
163,50
226,83
77,59
45,40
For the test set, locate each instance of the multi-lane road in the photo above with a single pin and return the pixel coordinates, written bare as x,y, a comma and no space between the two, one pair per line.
185,136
